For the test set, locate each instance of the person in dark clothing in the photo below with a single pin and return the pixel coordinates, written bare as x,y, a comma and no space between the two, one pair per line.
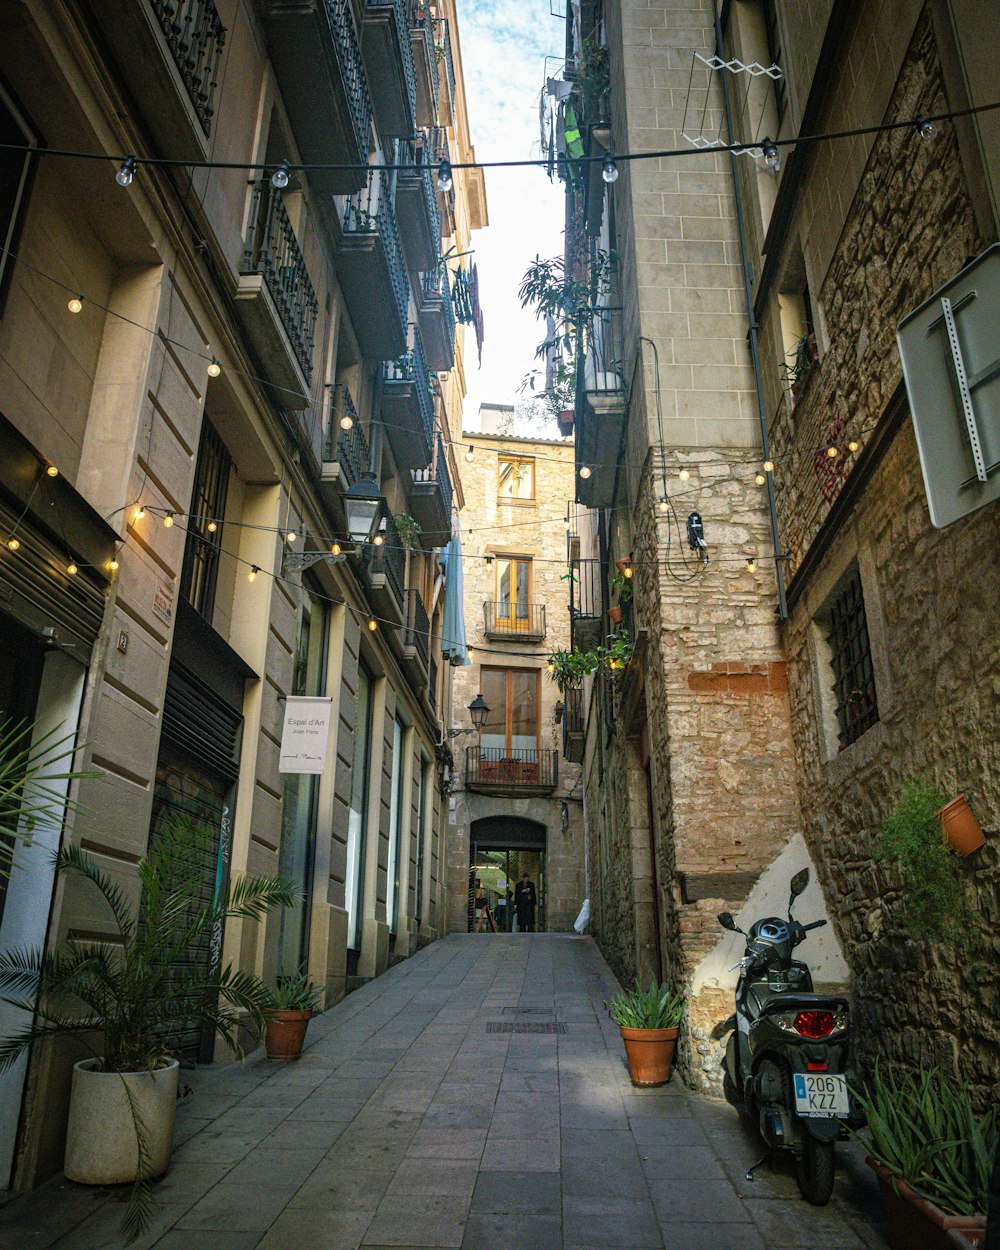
525,899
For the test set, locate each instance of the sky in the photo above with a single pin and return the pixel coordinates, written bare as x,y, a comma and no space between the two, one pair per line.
504,44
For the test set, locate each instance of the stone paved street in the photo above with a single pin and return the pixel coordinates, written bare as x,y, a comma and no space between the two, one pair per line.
419,1118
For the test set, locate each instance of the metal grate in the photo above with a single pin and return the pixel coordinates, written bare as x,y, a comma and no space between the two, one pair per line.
199,574
524,1026
851,660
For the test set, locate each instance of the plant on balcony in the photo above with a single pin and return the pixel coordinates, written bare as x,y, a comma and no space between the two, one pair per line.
623,586
568,668
560,395
618,652
804,358
358,220
593,75
409,530
563,292
933,902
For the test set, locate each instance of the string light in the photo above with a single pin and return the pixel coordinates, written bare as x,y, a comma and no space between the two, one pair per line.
609,170
71,569
139,513
346,421
469,651
378,540
211,527
469,453
13,543
291,536
52,471
760,479
214,368
127,172
113,564
372,624
76,304
585,472
833,452
335,549
445,178
772,157
252,575
664,505
551,667
168,520
684,474
751,564
853,445
768,466
279,179
925,129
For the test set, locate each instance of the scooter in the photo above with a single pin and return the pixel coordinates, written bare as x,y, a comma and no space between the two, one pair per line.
786,1056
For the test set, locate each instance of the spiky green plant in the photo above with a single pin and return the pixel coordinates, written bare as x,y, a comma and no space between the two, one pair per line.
912,840
655,1008
296,993
135,988
923,1128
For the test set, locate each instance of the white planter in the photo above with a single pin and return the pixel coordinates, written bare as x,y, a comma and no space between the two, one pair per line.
101,1146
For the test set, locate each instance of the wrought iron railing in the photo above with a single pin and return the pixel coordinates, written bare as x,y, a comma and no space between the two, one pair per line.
370,211
497,766
390,558
573,720
406,51
349,448
272,250
345,37
601,357
586,589
432,682
512,619
443,42
422,19
196,36
418,627
436,286
412,367
437,473
417,151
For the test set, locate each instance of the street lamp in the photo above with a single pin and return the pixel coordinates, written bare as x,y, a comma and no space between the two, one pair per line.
364,503
479,711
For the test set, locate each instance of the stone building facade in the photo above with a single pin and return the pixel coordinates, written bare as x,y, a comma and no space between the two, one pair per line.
515,562
709,773
195,364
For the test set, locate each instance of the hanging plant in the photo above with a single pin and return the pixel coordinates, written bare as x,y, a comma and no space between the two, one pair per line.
409,530
623,585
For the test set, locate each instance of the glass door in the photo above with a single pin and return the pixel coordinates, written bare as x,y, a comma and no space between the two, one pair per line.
395,823
513,594
357,817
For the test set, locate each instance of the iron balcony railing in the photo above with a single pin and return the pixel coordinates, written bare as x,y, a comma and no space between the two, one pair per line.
437,474
573,721
412,367
352,67
390,558
196,36
508,619
511,769
418,627
600,358
422,19
405,48
432,683
349,448
437,287
370,211
417,151
586,589
272,250
443,42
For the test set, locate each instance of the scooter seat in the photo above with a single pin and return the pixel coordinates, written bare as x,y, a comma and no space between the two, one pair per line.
801,1002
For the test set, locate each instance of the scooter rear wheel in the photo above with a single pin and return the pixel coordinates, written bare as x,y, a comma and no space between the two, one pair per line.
814,1171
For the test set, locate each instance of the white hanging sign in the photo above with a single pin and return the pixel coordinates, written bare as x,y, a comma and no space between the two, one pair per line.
304,734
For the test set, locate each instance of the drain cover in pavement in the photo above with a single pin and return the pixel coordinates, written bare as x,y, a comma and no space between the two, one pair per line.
524,1026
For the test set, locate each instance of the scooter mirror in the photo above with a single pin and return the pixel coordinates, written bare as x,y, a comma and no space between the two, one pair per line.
726,920
799,882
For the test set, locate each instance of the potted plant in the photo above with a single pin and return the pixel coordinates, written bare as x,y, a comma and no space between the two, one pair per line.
933,902
649,1021
408,529
619,650
568,668
135,991
932,1155
287,1015
960,827
804,357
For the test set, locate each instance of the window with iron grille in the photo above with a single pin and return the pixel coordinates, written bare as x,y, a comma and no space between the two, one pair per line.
851,661
773,34
204,538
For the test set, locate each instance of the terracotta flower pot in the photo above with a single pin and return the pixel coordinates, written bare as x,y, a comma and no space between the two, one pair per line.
285,1033
650,1054
616,614
960,826
917,1224
564,420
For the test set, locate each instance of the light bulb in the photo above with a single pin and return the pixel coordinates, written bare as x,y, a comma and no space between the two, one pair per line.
445,179
833,452
664,505
13,543
470,453
551,668
853,445
378,540
372,624
772,157
585,472
335,549
760,479
139,513
168,520
925,129
627,571
211,527
609,171
214,368
252,575
113,565
71,569
346,422
76,304
279,179
469,650
127,172
768,466
684,474
291,536
751,564
52,471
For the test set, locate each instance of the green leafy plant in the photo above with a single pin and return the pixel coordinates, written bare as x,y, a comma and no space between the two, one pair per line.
922,1127
623,585
297,993
655,1008
619,650
409,530
912,840
137,988
593,74
568,668
803,359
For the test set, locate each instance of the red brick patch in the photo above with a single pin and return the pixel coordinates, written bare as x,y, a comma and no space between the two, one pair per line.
736,677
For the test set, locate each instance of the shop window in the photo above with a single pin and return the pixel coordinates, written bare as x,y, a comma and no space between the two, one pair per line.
204,537
15,176
516,476
850,659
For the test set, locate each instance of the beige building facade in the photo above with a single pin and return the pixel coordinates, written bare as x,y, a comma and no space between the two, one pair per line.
196,364
515,804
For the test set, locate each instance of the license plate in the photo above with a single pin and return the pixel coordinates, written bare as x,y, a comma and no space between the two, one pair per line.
821,1095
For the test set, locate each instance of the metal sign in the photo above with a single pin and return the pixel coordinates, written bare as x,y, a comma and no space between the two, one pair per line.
950,348
304,734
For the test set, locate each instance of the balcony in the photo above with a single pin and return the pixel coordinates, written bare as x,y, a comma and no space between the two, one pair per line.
437,143
170,56
417,206
586,605
408,407
496,770
432,685
316,56
601,403
276,300
387,575
385,45
416,641
346,455
372,273
430,500
436,314
522,621
446,71
424,62
574,725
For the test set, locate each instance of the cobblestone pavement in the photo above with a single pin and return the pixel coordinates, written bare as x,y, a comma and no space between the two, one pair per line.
418,1117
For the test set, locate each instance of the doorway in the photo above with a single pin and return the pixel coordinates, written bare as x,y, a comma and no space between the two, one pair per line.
502,850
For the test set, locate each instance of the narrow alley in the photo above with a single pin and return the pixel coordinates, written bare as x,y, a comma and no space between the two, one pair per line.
475,1096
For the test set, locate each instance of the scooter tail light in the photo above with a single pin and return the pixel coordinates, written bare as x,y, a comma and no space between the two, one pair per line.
815,1024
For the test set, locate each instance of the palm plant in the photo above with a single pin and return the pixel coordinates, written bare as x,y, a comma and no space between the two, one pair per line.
135,987
655,1008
